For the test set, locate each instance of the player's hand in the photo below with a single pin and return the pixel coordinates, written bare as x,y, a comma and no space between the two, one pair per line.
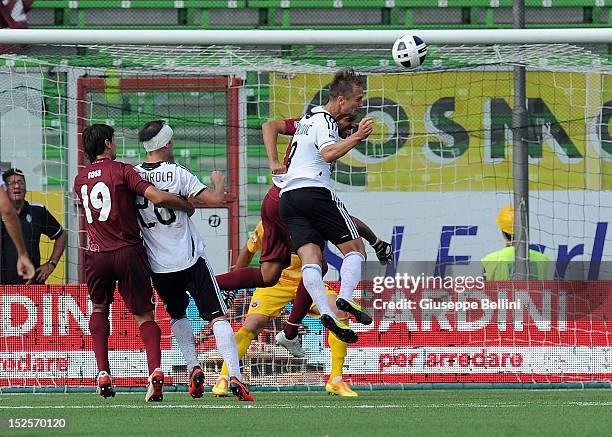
189,208
365,128
25,269
384,252
217,178
43,272
278,168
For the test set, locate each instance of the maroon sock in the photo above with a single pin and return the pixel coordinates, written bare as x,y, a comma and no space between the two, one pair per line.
99,327
151,337
247,277
301,305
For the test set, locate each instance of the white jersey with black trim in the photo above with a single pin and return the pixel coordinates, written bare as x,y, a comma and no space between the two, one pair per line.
172,240
306,167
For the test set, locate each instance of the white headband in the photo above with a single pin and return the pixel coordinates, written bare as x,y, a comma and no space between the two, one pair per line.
163,137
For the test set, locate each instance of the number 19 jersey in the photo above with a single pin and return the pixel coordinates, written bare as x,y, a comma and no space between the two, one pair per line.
172,240
107,190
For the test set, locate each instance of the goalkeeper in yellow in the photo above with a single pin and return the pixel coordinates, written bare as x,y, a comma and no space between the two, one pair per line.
267,304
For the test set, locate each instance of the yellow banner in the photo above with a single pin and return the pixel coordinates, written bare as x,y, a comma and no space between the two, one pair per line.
54,201
451,131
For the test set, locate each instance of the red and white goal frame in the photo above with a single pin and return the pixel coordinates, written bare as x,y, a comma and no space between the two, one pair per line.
230,85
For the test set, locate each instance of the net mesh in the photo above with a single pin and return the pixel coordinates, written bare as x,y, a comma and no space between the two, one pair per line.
431,179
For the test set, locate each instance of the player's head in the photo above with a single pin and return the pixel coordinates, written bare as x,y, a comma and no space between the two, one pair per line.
99,140
505,221
156,137
346,124
15,182
346,92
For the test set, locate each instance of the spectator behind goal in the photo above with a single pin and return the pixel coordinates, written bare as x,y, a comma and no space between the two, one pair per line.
499,265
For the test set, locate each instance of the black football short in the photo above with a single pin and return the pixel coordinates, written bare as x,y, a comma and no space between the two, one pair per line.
315,215
199,281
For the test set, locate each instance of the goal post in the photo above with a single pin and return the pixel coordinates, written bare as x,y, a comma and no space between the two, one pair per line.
303,37
431,179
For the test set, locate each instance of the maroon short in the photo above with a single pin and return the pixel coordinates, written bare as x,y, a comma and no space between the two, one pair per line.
276,243
130,267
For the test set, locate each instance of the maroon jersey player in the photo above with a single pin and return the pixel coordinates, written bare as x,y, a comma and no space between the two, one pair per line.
114,254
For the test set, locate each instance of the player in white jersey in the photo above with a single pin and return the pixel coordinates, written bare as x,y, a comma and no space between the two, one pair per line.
176,254
310,208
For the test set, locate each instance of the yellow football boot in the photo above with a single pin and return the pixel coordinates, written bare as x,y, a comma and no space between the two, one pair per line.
220,388
340,388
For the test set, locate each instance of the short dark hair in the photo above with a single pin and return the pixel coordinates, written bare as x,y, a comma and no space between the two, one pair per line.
150,129
12,172
94,139
343,82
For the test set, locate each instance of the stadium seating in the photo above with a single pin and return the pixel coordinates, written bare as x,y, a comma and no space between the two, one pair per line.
313,13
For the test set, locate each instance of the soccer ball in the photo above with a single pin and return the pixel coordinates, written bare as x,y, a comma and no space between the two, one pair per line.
409,51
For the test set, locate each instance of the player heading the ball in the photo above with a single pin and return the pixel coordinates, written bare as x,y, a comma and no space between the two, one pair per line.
309,206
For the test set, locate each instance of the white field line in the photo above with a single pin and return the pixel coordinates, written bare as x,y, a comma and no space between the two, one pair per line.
581,404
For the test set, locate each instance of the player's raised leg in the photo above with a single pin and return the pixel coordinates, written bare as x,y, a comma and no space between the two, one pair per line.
350,272
312,275
303,301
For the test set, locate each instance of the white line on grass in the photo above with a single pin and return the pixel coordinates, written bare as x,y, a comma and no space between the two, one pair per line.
289,406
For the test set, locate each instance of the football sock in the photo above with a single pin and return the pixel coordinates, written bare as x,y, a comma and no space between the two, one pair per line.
181,329
350,274
301,305
313,281
99,327
247,277
244,337
226,345
338,354
151,337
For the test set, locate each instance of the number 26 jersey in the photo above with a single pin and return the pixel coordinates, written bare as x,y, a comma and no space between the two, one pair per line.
172,240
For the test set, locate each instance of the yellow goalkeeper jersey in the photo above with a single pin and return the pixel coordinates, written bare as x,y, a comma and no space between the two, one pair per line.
292,275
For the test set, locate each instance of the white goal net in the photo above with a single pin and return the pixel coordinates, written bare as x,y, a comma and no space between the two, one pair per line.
431,179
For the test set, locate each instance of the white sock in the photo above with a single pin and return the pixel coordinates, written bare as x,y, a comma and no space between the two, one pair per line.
181,329
226,345
312,275
350,274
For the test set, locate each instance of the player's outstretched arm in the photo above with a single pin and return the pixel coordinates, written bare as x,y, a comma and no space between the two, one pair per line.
384,251
271,129
338,150
214,197
168,200
25,269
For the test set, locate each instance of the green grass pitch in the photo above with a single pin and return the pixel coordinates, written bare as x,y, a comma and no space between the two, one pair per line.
374,413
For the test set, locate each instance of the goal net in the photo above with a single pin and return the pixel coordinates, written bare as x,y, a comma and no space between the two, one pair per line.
431,179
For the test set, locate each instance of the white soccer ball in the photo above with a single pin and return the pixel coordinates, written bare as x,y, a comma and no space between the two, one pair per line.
409,51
